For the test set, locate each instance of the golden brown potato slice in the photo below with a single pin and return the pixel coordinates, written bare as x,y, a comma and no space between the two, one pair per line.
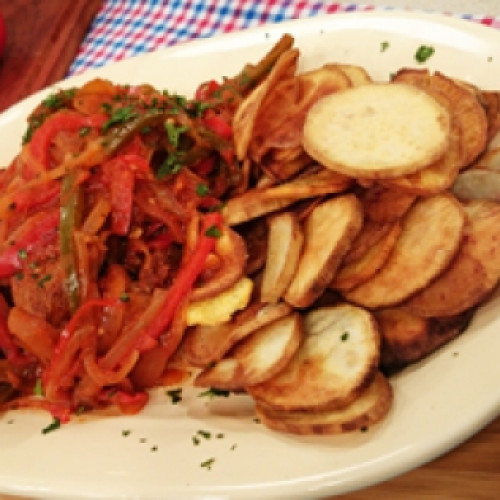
490,101
246,114
336,361
482,237
370,234
355,272
357,74
368,409
439,175
203,345
362,133
407,338
386,204
283,253
260,201
467,110
431,235
461,286
328,233
490,160
404,337
258,357
476,269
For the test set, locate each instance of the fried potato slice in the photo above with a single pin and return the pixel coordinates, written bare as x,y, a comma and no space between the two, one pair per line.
283,252
231,253
220,308
369,235
357,74
258,357
467,110
431,235
439,175
361,131
246,114
368,409
489,160
203,345
386,204
358,271
336,361
261,201
407,338
328,233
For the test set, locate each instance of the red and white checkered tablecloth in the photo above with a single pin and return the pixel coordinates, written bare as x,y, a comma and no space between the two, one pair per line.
124,28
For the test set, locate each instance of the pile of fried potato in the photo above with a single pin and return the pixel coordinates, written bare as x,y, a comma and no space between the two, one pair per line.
370,211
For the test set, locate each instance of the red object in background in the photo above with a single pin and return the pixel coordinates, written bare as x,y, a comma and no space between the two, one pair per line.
3,34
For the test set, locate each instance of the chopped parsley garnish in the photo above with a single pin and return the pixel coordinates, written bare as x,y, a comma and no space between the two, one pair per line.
174,132
22,253
213,232
423,53
154,448
54,425
119,115
202,189
175,395
38,389
124,297
214,392
171,165
207,464
126,432
44,279
84,131
344,336
196,440
19,276
384,46
204,434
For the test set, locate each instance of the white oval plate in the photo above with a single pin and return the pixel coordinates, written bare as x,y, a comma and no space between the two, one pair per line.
438,403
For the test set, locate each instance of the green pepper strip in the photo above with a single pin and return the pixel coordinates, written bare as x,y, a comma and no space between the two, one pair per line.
252,74
119,135
70,219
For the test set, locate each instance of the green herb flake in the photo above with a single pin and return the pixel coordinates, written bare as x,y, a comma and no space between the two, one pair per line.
384,46
344,336
213,232
124,297
175,395
19,276
22,253
204,434
84,131
214,392
174,132
172,165
119,115
38,389
423,53
154,448
126,432
233,447
207,464
196,440
44,279
219,435
54,425
202,189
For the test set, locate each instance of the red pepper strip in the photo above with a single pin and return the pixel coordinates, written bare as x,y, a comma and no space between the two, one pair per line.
217,124
160,242
121,180
36,197
205,90
40,233
128,403
63,120
69,330
205,166
181,286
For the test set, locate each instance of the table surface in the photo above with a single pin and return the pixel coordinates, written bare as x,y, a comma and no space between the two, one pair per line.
471,471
